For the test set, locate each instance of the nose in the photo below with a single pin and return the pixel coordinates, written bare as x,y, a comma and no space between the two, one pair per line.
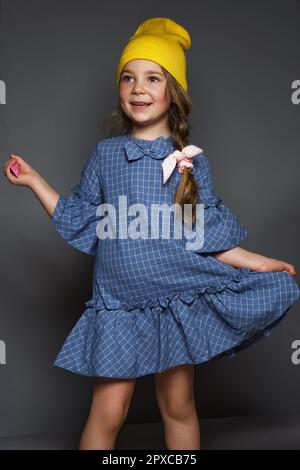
137,88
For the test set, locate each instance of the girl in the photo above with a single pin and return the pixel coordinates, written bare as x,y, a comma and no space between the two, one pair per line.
158,306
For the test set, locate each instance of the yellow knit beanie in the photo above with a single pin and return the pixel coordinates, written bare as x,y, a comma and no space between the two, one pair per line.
161,40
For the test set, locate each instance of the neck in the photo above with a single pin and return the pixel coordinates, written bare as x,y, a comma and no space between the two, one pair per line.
149,134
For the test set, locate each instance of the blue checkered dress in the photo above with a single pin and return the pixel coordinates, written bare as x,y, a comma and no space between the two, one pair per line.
156,304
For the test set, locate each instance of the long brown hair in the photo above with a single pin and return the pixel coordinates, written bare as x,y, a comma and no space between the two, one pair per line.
118,123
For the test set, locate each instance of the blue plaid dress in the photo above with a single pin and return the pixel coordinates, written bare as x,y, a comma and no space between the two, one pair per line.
155,304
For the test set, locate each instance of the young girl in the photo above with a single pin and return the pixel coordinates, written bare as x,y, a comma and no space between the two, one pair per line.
157,306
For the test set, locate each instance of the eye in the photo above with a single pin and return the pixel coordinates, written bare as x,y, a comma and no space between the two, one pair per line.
128,76
152,76
125,76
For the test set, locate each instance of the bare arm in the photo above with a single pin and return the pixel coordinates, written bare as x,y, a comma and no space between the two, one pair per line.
47,196
30,178
240,258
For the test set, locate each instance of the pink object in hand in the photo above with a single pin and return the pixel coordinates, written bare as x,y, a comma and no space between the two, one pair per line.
15,168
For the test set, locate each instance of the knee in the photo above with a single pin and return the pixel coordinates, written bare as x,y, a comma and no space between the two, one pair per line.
177,410
112,418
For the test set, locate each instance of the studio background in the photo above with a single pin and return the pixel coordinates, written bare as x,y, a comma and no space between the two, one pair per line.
58,60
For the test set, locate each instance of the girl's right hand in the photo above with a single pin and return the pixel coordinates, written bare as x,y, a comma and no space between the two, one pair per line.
26,176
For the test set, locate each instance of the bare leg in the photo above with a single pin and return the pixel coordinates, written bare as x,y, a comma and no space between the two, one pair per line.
175,397
97,437
182,432
110,404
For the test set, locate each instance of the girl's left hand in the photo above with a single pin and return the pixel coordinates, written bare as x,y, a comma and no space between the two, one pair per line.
271,264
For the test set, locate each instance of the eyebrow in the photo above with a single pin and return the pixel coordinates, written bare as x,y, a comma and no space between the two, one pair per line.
147,71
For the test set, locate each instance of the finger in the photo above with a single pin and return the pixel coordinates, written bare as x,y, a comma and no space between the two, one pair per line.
291,269
5,168
287,266
16,157
7,163
8,172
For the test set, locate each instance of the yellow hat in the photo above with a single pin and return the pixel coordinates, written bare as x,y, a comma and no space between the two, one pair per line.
161,40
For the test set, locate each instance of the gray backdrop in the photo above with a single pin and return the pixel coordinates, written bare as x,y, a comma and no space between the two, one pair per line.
58,60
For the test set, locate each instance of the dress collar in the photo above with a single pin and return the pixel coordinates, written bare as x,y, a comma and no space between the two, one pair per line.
158,148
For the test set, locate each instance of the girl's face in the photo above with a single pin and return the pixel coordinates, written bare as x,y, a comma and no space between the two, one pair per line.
143,81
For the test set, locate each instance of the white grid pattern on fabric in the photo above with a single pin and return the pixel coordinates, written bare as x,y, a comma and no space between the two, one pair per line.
155,304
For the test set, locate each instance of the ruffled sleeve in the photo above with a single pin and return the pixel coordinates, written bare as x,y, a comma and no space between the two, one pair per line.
74,216
222,229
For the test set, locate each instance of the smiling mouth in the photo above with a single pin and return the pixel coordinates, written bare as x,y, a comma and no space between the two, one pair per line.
140,106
